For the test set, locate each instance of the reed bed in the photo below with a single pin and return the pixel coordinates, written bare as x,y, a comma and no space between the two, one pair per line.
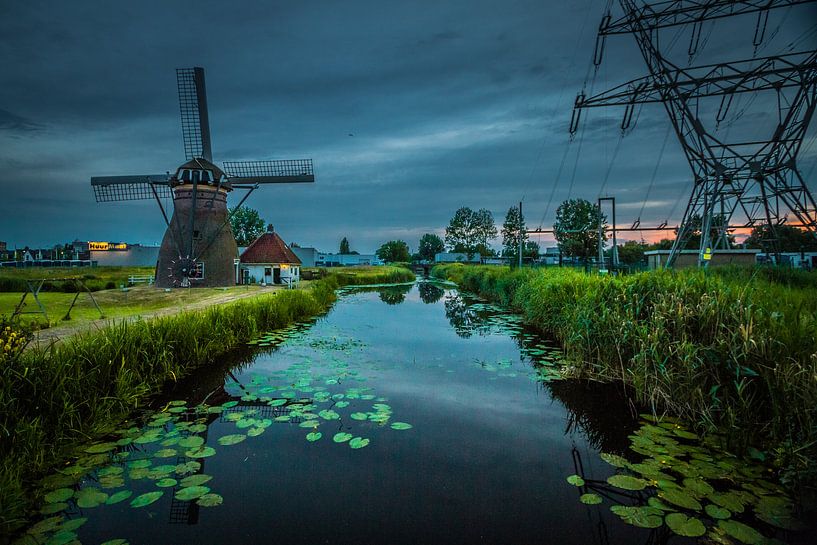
51,399
732,349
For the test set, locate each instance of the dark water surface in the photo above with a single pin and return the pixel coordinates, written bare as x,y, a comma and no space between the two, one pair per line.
485,460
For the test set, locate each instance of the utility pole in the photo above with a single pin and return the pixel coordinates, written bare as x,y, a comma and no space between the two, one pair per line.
521,234
758,181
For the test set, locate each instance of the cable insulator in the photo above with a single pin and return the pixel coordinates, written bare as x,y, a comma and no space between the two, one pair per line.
574,117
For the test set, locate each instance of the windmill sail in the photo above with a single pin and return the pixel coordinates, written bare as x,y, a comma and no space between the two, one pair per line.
270,172
130,188
193,107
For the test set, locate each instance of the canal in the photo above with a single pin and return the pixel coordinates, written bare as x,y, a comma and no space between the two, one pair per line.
407,414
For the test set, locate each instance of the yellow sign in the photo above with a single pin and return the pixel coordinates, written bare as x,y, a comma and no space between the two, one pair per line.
106,246
707,254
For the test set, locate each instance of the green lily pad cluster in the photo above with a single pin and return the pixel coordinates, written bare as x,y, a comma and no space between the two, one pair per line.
694,487
138,466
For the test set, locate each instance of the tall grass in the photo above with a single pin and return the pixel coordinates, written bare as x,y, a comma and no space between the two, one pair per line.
732,349
52,398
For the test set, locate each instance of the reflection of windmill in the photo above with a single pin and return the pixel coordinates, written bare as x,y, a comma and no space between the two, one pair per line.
198,248
187,512
655,536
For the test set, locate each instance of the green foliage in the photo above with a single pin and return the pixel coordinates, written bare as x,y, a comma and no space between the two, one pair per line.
430,246
247,225
731,348
94,278
344,247
394,251
470,231
512,229
790,238
577,228
631,252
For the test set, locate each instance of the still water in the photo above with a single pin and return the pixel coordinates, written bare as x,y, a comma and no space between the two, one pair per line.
409,414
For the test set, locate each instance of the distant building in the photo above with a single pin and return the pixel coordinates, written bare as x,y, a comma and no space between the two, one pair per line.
121,254
798,260
657,259
268,260
346,260
308,256
456,257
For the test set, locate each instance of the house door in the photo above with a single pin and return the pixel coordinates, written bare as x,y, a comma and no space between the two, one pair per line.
267,275
277,275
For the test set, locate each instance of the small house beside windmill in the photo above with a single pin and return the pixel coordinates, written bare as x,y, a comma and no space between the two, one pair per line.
268,260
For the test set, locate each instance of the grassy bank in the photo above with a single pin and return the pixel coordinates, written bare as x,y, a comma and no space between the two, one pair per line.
94,278
52,399
731,349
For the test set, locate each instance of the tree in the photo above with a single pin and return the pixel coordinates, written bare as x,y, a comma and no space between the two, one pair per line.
789,238
531,250
469,231
695,222
430,246
512,230
247,225
394,251
631,252
344,247
577,228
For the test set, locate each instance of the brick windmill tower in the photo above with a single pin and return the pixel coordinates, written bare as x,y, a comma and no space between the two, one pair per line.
198,248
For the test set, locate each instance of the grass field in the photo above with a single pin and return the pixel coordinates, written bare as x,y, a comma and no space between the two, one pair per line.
95,278
115,303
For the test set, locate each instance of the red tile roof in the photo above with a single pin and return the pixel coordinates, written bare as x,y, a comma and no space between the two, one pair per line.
269,248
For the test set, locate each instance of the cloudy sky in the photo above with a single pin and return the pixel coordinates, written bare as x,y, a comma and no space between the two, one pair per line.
408,109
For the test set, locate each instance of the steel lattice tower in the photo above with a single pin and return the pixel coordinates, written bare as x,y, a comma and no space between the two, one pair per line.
754,182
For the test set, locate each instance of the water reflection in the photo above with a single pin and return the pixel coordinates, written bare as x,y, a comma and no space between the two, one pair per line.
429,292
394,295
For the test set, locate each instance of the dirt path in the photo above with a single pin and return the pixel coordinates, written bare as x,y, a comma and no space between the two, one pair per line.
55,334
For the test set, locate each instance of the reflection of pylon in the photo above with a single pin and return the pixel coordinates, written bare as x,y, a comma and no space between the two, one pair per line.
757,182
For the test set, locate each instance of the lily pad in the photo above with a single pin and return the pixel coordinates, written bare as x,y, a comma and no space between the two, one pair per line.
195,480
590,499
146,499
313,436
202,452
117,541
90,497
117,497
341,437
614,459
698,486
717,512
643,517
730,500
741,532
401,426
358,442
359,416
192,441
309,424
680,498
192,492
684,525
210,500
166,482
255,432
165,453
100,448
231,439
627,482
575,480
59,495
51,508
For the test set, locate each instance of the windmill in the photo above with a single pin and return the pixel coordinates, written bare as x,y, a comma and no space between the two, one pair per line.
198,247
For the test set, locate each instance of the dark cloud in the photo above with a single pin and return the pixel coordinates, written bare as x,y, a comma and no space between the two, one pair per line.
450,103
